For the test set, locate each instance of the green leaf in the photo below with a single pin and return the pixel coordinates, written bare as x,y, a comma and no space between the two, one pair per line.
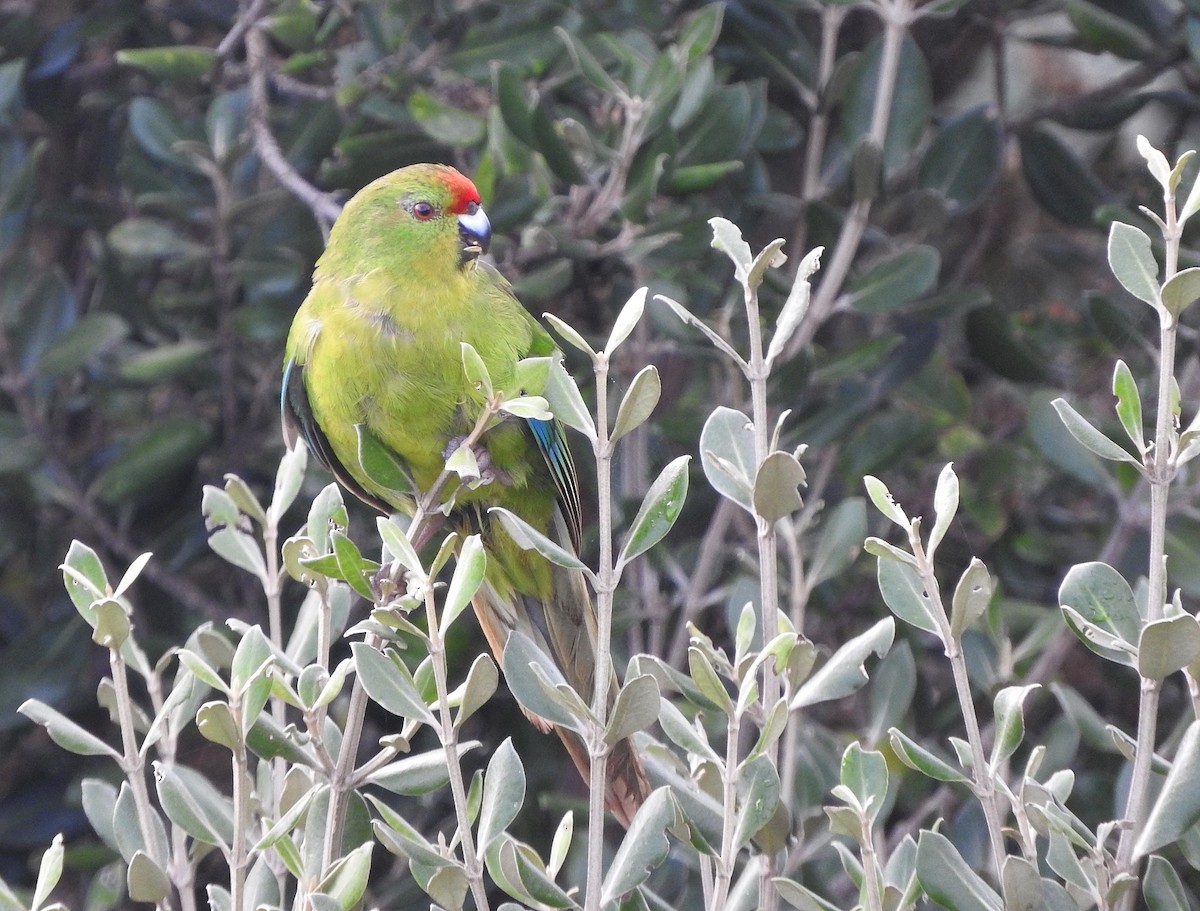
216,723
1177,807
538,684
845,671
919,759
346,882
91,337
964,158
1089,437
758,792
468,576
447,124
635,709
476,371
1103,31
1101,596
193,804
529,538
709,683
380,464
396,540
660,508
566,402
1009,709
727,237
49,872
910,107
112,624
1131,258
140,238
240,549
948,879
1166,646
153,456
570,335
796,305
627,319
776,486
1181,290
1058,178
865,773
420,774
1129,404
65,732
503,793
482,680
885,502
643,849
727,455
638,403
896,280
351,564
389,683
906,596
146,880
972,596
945,507
1162,887
182,63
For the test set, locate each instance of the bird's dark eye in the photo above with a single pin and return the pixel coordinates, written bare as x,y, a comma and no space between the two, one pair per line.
422,211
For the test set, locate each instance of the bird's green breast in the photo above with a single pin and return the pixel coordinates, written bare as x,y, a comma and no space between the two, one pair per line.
383,351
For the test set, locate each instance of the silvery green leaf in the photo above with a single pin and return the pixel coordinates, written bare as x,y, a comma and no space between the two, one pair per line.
503,793
757,797
643,848
945,507
569,335
1088,436
482,680
145,880
288,479
1102,597
194,804
1156,163
627,319
529,538
389,684
635,709
796,305
638,403
1009,709
1177,807
907,596
1166,646
777,483
528,407
845,670
727,455
65,732
468,576
692,320
885,502
1181,290
422,773
1129,404
727,237
395,539
1162,888
659,510
49,872
865,774
1131,259
769,257
476,371
972,596
948,879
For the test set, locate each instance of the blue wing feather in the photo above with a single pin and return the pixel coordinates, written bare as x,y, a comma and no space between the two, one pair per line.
553,445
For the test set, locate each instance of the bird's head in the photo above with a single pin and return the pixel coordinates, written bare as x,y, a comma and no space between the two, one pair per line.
426,210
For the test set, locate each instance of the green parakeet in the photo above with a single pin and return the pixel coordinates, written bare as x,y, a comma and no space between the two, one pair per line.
377,343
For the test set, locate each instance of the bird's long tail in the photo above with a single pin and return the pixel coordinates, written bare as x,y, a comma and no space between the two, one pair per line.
566,631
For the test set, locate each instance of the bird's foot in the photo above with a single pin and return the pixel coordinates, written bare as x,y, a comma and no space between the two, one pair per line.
488,471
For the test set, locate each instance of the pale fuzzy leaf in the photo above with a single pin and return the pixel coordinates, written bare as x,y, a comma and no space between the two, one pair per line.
1181,290
529,538
1131,258
1177,807
638,403
481,683
528,407
567,404
971,597
727,455
288,479
49,872
1156,163
476,371
776,486
769,257
948,879
906,596
644,847
396,540
1129,403
626,320
569,335
865,774
885,502
1088,436
727,237
686,316
945,507
1166,646
635,709
468,576
796,305
845,670
131,574
1009,709
65,732
659,510
503,793
1192,204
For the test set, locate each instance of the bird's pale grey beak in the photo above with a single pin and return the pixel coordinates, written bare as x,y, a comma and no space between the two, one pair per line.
475,231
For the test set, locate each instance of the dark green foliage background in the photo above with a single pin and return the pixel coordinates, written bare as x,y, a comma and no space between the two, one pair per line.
150,265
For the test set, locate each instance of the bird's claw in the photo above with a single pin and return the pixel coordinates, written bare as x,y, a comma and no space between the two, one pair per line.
489,472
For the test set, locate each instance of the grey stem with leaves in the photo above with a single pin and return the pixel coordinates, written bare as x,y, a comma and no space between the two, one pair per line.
449,738
1161,467
897,16
985,789
242,812
605,583
132,762
726,862
342,780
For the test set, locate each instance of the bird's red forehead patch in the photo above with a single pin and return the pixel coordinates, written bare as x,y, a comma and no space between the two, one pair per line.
462,191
